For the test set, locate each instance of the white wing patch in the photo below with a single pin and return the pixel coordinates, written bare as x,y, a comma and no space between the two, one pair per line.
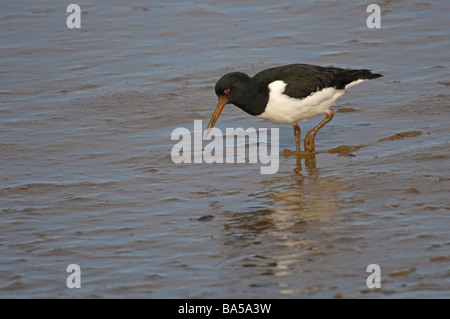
283,109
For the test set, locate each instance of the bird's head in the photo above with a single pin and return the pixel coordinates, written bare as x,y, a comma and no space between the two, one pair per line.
231,88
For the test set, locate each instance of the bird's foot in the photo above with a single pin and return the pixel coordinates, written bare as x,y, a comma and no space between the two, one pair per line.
310,145
298,154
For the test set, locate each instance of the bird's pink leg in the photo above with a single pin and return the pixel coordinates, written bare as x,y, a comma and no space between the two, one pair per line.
297,132
310,145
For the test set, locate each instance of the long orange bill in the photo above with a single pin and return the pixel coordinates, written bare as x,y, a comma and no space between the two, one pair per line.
220,104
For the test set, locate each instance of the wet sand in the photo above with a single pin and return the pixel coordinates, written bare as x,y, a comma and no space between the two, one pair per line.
87,177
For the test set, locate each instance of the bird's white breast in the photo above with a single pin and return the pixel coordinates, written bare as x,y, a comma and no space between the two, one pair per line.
283,109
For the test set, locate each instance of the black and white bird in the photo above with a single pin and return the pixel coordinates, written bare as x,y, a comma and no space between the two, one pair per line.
289,94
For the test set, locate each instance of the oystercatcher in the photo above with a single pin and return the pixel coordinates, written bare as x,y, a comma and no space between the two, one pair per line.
288,94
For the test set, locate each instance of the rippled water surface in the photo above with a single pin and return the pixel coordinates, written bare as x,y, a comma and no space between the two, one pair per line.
87,177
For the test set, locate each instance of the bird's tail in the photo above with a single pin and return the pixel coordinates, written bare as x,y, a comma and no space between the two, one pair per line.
346,76
367,75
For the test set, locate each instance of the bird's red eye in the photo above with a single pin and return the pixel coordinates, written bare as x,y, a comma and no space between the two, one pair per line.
226,91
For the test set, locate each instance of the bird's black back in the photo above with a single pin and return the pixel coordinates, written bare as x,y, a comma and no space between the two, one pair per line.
303,79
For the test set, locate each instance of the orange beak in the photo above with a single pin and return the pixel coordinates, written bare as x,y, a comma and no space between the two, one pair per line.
220,104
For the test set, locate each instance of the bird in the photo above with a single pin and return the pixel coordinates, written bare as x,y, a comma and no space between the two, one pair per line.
288,94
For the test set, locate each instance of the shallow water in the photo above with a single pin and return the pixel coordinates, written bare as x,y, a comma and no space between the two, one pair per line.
86,119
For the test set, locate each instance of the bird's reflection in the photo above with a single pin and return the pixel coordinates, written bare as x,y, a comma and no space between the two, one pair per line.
279,239
308,157
303,195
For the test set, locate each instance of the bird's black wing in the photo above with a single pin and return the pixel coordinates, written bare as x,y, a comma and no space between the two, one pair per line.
302,79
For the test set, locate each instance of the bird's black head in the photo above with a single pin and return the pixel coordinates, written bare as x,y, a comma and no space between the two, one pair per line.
232,88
